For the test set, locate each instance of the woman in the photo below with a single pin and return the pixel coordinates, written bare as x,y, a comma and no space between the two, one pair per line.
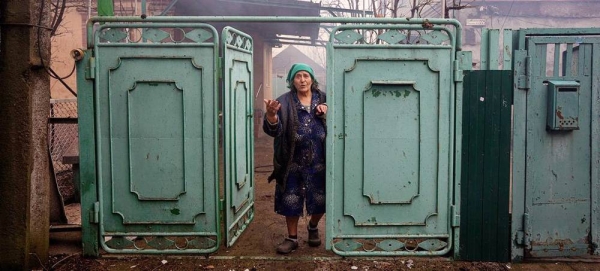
297,122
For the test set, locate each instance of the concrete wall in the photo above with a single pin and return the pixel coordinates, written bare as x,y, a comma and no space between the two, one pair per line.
68,36
262,79
24,107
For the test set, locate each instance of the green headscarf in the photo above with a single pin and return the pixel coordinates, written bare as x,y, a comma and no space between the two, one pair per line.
295,69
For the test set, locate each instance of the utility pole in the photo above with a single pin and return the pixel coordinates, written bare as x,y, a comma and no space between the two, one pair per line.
24,159
443,9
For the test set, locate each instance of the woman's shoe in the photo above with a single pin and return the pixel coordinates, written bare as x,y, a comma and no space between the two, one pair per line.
288,246
313,237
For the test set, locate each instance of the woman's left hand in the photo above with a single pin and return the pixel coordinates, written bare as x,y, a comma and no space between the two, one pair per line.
321,109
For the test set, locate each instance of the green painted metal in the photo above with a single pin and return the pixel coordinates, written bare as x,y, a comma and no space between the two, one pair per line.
556,174
106,8
493,56
390,171
484,52
464,63
156,138
238,131
563,105
87,156
507,47
492,49
485,223
266,19
155,109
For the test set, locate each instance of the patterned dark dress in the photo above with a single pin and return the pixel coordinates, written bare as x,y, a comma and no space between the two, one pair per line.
305,183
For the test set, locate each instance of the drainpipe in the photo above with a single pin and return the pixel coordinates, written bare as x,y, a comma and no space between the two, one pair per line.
106,8
143,8
443,9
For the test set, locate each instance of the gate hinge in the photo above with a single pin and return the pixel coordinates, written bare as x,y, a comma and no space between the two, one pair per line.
458,73
526,230
522,237
463,62
455,216
90,70
95,213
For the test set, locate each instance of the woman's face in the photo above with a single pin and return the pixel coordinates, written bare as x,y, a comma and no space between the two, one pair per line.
302,81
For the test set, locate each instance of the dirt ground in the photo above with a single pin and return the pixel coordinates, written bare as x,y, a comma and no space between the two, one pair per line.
255,250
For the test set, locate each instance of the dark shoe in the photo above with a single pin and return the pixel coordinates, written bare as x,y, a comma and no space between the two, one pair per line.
313,237
288,245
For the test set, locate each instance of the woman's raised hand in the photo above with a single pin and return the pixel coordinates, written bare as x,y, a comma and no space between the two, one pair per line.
272,107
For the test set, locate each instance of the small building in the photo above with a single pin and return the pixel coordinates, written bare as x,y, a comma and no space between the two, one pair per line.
282,63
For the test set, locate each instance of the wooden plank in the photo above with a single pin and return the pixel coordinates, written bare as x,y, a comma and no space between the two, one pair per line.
465,167
507,50
556,61
518,162
488,190
485,227
568,61
472,221
71,155
484,53
55,120
87,145
595,133
503,241
478,124
494,52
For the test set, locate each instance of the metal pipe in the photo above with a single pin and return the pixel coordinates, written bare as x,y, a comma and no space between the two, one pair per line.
267,19
443,9
143,7
173,2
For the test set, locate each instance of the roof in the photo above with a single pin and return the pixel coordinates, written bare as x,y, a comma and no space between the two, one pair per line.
290,55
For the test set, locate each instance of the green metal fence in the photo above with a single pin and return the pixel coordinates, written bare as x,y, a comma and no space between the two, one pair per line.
485,180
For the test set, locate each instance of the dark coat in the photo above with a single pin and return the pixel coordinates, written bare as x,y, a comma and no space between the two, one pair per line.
284,133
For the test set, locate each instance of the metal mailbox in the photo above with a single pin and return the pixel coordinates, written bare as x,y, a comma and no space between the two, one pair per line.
563,105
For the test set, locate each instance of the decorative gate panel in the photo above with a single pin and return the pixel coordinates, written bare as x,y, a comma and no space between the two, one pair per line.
238,136
156,138
390,182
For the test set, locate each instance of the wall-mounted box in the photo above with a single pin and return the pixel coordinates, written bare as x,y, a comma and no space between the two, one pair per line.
563,105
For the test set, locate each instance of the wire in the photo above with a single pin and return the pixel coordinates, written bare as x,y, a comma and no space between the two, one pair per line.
58,16
507,14
48,69
547,25
62,260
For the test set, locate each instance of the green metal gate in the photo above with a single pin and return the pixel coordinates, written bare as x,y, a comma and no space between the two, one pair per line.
238,123
556,143
149,143
391,184
149,171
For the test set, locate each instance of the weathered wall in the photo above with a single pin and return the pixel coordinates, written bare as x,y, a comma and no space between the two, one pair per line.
24,107
68,37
